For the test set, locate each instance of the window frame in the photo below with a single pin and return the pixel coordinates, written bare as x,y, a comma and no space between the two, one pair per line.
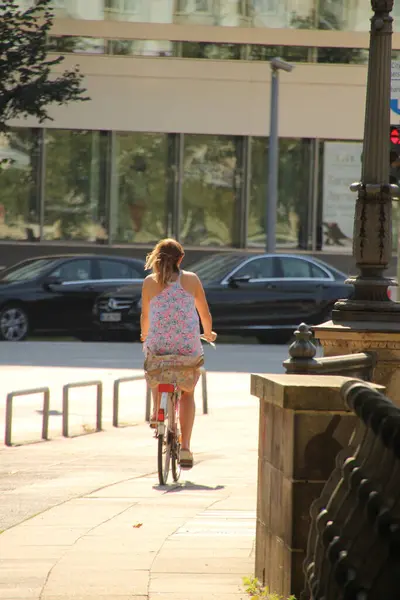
281,257
110,259
92,270
226,279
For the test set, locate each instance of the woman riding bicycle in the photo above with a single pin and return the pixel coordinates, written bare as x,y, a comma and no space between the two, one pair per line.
170,324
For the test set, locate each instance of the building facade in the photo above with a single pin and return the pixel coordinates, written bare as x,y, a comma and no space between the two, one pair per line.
174,139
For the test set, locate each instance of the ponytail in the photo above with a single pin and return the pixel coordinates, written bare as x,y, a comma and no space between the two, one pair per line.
164,259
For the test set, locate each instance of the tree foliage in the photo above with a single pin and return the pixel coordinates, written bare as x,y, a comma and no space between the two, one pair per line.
325,20
28,84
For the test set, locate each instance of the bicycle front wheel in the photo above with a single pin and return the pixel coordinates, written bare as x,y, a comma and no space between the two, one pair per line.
176,443
164,452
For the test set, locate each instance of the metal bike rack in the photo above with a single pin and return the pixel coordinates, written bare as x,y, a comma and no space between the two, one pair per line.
99,403
9,411
148,404
117,384
204,391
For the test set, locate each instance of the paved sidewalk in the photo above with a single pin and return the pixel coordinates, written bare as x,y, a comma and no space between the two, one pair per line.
85,518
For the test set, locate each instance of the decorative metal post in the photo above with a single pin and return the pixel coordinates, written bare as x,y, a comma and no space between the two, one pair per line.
372,244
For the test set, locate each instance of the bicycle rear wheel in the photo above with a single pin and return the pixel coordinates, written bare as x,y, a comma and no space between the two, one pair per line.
164,448
176,442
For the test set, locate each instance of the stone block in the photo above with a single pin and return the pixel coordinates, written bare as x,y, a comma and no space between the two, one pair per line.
317,439
381,338
277,526
261,541
277,438
303,495
297,574
288,442
276,564
264,512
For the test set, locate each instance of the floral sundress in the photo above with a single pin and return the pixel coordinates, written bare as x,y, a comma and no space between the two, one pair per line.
174,324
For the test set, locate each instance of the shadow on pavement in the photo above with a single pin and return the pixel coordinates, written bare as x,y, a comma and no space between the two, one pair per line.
188,485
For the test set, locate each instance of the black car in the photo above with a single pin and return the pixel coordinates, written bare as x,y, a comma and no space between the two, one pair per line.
248,295
55,294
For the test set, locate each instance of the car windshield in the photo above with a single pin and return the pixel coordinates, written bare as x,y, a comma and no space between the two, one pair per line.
214,268
26,271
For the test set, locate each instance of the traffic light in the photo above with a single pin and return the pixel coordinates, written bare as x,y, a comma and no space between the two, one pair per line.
395,137
394,176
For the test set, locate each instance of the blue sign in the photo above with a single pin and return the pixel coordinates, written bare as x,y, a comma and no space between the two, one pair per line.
394,106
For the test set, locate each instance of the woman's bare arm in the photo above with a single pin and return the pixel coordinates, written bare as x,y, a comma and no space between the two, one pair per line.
144,316
203,310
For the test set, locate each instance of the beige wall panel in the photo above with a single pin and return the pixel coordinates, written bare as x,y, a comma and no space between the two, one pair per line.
225,97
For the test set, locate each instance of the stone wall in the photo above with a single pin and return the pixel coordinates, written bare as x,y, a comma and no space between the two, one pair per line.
381,339
303,425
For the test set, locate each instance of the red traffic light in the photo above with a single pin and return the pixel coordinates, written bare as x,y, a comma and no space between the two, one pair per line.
395,136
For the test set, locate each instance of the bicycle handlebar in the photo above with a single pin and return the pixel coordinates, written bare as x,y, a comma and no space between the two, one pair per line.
203,337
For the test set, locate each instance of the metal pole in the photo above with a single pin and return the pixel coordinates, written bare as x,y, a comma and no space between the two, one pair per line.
99,406
273,165
42,182
148,404
315,193
65,410
204,391
46,408
116,403
9,407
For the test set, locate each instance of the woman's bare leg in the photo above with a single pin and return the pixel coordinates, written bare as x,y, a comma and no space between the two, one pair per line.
186,416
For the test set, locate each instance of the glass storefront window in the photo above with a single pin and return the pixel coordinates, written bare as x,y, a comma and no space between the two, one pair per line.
293,194
140,48
140,189
309,54
76,183
79,45
228,13
211,51
290,53
211,191
344,56
19,185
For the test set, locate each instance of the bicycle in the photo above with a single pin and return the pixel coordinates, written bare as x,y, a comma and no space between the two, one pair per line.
168,432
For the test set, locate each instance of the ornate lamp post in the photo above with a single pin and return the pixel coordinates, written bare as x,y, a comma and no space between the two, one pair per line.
372,245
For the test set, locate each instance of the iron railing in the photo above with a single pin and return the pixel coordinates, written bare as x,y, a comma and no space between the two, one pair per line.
354,541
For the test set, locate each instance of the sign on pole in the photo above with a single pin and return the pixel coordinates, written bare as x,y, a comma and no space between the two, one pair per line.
342,166
395,94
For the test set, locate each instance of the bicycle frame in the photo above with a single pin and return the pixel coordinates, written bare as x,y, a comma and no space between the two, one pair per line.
166,390
168,434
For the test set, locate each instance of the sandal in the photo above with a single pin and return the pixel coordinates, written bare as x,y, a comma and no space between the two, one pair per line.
153,421
186,460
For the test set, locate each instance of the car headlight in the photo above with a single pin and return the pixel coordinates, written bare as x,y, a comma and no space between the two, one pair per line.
136,307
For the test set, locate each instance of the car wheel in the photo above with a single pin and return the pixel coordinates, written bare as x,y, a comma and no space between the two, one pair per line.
14,323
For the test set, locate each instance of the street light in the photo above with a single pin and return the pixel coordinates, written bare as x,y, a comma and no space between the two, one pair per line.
276,64
372,245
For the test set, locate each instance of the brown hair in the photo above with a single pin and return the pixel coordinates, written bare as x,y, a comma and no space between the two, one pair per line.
163,260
